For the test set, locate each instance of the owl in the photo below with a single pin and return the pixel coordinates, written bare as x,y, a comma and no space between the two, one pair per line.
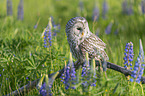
82,40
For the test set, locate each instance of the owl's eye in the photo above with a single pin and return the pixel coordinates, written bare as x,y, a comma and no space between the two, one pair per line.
79,28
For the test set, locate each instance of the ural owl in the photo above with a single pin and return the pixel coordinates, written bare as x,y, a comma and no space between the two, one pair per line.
82,40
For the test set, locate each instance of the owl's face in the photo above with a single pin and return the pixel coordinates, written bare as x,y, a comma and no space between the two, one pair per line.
77,29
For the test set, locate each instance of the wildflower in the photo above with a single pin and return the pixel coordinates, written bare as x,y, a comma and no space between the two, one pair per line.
128,55
43,90
69,77
14,55
108,29
127,8
138,71
9,8
139,66
27,78
87,78
124,7
97,32
143,6
55,27
3,69
35,26
20,10
0,75
95,13
105,9
47,35
88,74
130,10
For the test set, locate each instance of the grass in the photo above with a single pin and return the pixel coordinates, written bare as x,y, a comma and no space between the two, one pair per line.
22,52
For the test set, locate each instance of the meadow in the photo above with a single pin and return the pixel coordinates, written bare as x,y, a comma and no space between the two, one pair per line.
23,57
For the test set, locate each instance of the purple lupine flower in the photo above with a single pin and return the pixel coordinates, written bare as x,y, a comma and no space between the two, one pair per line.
143,6
85,76
35,26
27,78
52,21
0,75
95,16
97,32
138,71
9,8
88,75
130,10
43,90
128,55
139,66
69,77
47,36
127,8
108,29
105,9
20,10
124,7
94,80
88,78
55,27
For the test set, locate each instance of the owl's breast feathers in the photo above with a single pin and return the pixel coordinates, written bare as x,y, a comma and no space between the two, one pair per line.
95,47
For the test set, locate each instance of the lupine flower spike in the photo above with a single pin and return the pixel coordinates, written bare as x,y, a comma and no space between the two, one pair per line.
85,74
45,88
139,66
47,35
93,72
55,27
9,8
143,6
128,55
127,8
130,10
95,16
88,74
69,77
105,9
124,7
20,10
108,28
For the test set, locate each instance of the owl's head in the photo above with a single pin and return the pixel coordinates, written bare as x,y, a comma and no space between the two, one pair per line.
77,29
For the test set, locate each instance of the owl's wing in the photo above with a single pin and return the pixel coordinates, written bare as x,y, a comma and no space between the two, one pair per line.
94,46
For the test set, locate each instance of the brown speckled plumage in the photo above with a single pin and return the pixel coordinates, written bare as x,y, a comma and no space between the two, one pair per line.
81,40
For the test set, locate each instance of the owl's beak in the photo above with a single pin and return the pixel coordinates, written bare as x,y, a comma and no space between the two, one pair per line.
82,34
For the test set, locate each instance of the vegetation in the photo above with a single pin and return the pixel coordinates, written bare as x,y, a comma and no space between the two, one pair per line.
24,58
